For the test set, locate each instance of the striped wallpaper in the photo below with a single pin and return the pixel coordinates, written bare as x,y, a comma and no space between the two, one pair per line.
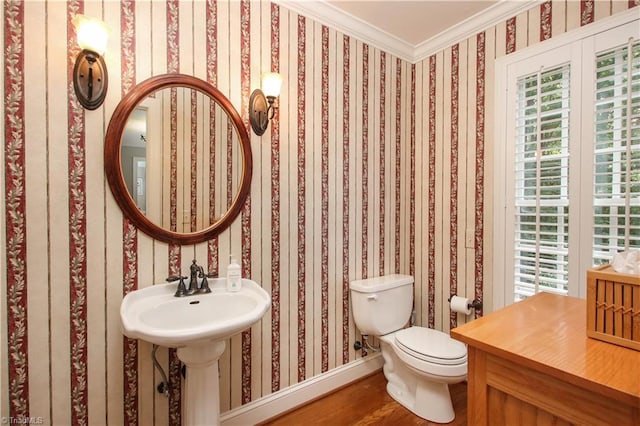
371,166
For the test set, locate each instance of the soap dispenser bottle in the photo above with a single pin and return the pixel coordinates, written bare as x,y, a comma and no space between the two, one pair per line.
234,276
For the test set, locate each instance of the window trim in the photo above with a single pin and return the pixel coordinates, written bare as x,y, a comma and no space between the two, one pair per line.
577,42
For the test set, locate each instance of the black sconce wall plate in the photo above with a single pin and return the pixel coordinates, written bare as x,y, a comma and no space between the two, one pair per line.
90,79
258,112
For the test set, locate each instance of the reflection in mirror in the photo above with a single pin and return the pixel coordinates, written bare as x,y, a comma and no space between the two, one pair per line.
181,160
134,156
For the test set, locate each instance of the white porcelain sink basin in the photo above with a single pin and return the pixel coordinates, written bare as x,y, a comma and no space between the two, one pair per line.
155,315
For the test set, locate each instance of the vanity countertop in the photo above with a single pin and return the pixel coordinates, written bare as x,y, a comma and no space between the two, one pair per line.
547,333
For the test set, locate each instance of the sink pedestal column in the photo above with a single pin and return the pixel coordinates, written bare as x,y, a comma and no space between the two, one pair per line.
201,399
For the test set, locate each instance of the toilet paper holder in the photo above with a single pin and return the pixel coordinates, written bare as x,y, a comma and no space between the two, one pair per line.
474,304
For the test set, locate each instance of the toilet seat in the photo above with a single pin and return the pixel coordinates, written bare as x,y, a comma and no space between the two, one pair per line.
431,346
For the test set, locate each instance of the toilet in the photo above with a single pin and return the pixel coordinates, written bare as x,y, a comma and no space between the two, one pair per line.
419,362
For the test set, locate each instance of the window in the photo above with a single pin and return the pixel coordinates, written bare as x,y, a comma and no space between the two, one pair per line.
541,176
567,170
616,196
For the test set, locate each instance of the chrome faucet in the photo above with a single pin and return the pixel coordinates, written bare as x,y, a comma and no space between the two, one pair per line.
196,271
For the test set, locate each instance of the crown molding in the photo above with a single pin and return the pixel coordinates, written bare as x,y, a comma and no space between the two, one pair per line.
495,14
338,19
348,24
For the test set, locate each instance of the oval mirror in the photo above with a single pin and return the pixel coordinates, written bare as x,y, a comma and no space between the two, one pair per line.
178,159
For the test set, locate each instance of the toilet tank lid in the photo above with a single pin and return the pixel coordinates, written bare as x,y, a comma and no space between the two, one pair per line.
385,282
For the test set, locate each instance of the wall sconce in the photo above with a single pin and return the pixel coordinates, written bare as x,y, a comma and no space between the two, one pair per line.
261,108
90,79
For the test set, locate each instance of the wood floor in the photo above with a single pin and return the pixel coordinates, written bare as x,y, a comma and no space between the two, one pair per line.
366,402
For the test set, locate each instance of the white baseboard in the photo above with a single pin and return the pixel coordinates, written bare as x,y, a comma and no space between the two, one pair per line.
279,402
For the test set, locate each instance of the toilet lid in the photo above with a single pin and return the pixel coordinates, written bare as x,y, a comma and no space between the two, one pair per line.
431,345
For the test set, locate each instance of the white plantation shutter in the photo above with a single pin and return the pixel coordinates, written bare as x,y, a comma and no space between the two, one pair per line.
541,234
616,197
567,159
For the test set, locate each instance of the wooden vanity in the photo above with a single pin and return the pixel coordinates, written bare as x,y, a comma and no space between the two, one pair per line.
532,363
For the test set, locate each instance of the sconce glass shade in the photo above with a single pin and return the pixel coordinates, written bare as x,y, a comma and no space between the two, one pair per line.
92,33
271,84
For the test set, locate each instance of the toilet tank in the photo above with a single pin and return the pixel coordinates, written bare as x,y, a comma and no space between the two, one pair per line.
383,304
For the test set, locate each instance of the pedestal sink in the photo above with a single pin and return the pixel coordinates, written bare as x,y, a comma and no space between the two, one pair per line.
197,326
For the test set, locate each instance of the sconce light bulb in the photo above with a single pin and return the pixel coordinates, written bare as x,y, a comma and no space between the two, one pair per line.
92,33
271,84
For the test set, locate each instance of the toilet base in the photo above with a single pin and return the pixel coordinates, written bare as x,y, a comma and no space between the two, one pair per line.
431,401
423,395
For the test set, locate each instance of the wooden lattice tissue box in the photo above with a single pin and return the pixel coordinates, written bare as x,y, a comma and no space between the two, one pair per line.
613,306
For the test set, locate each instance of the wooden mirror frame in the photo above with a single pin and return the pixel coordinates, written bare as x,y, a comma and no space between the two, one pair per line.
113,165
